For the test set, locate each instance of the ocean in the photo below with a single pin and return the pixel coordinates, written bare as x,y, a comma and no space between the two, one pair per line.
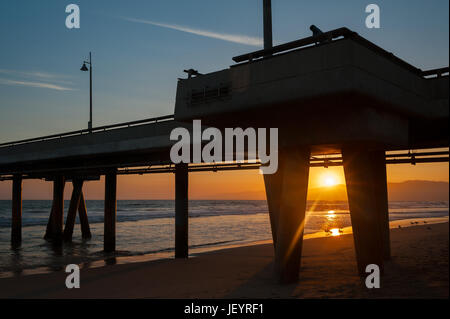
146,228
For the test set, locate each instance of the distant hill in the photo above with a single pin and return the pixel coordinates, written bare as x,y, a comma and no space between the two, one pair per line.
404,191
418,191
415,190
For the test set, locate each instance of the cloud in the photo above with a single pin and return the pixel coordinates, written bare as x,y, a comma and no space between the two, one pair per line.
235,38
35,84
35,79
33,74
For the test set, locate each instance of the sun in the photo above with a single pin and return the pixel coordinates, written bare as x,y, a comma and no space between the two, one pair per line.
329,180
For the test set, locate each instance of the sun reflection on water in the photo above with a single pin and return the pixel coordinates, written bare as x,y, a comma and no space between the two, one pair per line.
331,215
335,231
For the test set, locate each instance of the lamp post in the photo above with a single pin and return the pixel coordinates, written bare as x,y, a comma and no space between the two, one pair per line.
84,68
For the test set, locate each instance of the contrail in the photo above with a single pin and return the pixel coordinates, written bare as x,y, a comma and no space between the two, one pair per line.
235,38
35,84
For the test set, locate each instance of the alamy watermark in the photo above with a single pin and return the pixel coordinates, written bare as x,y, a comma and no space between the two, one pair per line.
73,19
373,279
213,151
373,19
73,279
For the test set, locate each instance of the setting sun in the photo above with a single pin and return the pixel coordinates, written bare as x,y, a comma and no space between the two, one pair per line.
329,180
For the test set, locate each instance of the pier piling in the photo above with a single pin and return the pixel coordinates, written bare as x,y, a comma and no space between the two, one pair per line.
56,220
273,184
181,211
363,200
73,208
291,219
16,220
84,222
109,243
381,195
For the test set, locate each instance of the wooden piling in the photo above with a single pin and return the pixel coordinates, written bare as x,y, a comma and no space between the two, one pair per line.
181,211
109,243
16,218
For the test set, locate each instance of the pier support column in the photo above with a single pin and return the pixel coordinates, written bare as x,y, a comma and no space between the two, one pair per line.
84,222
273,184
381,194
109,243
291,219
56,220
16,218
73,208
363,190
181,210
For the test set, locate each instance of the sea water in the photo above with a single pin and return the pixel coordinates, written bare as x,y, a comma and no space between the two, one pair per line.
146,228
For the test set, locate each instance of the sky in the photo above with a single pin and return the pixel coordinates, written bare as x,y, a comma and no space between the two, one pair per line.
140,48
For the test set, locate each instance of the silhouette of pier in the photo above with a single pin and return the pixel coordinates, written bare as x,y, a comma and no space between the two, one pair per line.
343,101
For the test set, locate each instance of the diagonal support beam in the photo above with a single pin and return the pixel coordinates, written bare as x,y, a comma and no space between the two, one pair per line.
84,222
73,208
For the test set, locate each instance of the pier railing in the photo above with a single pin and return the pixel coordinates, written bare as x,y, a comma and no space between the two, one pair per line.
328,37
89,131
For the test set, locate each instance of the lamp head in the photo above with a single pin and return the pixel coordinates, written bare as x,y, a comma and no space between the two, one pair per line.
84,67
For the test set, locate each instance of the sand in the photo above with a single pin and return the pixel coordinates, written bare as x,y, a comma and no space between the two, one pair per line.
418,269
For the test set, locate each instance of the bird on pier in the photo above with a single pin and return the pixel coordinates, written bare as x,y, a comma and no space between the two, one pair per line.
317,33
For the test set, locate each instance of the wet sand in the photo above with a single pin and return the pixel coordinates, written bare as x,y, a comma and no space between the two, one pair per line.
418,269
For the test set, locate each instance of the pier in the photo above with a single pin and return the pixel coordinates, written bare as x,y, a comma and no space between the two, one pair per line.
336,98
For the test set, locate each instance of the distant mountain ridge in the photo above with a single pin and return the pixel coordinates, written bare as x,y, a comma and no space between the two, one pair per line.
414,190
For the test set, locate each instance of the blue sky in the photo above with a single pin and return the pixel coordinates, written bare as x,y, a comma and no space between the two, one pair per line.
136,64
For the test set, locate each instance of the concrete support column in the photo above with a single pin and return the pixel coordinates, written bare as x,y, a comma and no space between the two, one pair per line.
291,219
109,243
84,222
273,184
16,218
73,208
181,210
56,220
362,181
381,195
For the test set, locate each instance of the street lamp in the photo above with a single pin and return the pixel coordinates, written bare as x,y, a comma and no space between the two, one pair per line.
85,68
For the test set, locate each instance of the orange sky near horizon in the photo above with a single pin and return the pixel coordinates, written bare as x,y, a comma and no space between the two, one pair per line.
246,184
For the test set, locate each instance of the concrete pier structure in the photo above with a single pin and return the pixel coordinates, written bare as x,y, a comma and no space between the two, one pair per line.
336,93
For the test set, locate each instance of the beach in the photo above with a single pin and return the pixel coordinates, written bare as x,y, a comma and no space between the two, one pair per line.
418,269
